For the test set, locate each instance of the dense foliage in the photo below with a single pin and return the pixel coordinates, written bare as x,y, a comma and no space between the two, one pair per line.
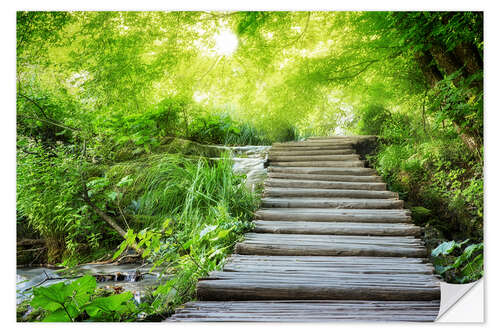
115,111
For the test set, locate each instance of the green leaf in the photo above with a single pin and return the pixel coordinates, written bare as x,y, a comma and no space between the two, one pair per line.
207,230
45,297
57,316
187,244
445,248
468,252
112,195
120,250
127,180
114,303
82,289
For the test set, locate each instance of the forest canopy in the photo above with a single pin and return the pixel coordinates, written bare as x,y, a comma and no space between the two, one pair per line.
101,94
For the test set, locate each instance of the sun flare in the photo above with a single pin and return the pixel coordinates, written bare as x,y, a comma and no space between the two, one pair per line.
226,43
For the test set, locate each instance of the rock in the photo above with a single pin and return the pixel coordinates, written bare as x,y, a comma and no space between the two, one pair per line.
187,147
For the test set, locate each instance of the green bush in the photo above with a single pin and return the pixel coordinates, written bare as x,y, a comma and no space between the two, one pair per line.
48,188
456,265
372,119
199,210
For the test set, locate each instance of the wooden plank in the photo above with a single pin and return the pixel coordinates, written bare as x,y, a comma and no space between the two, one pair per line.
323,170
328,245
310,152
313,144
361,265
303,311
323,184
341,203
343,137
309,147
350,287
333,215
327,193
293,158
334,178
339,228
320,164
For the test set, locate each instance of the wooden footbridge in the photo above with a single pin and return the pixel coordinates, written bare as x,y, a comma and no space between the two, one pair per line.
330,244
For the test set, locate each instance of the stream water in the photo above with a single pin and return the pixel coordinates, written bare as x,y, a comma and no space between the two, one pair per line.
248,160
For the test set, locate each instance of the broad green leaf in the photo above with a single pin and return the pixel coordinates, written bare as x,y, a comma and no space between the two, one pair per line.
444,248
120,250
57,316
110,304
82,289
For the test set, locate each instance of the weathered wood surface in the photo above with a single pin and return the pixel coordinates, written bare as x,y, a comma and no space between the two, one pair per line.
317,145
291,158
310,152
334,215
362,265
308,311
330,244
341,203
327,193
334,178
323,170
321,164
322,184
339,228
317,285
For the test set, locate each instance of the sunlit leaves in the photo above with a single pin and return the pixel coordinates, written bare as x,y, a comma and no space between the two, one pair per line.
76,301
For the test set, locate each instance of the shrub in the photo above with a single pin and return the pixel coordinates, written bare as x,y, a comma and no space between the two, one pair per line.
372,119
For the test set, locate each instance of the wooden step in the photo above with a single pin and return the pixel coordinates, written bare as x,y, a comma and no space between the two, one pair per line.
340,164
342,137
311,147
365,265
361,265
328,245
308,311
298,158
333,178
347,144
334,215
310,152
338,228
327,193
332,203
323,184
352,139
323,171
327,282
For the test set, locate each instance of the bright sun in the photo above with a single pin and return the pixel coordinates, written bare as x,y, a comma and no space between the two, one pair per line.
226,43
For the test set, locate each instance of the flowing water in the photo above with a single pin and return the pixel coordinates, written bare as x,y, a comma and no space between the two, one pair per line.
250,161
129,277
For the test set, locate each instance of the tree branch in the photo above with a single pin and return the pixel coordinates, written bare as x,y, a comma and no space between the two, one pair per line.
47,119
368,64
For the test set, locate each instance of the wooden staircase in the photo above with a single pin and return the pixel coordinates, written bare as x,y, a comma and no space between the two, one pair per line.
330,244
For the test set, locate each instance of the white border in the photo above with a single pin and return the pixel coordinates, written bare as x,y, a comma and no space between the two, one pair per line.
492,139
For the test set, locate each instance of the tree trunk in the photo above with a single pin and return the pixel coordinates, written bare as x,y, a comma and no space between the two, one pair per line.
431,72
106,217
446,60
468,54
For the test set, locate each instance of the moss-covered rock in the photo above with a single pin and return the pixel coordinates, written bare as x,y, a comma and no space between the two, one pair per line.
187,147
171,145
